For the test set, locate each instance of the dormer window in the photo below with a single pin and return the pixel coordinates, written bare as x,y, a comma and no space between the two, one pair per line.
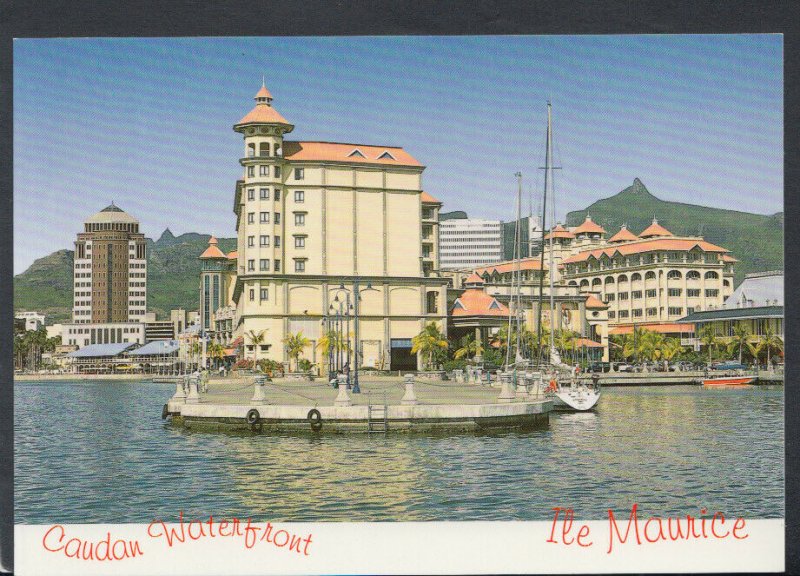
386,156
356,153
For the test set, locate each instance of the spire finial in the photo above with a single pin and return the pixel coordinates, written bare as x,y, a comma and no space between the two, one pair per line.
263,81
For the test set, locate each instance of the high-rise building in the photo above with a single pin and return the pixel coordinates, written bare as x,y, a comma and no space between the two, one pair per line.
468,243
110,269
323,223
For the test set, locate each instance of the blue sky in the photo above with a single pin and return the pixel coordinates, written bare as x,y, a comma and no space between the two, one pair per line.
147,122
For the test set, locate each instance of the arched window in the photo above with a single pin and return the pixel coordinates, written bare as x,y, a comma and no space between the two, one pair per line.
263,149
726,283
584,283
636,277
650,275
622,278
609,280
596,282
251,150
573,283
693,275
674,275
711,276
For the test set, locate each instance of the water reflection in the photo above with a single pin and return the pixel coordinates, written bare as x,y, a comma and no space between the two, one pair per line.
109,458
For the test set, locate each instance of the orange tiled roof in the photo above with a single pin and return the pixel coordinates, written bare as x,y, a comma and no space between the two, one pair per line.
664,328
648,245
504,267
213,250
476,302
594,302
624,235
589,227
728,258
263,114
474,279
233,255
655,229
559,232
263,93
581,342
428,199
342,152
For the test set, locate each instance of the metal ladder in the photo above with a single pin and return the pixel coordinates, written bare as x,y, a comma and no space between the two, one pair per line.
377,416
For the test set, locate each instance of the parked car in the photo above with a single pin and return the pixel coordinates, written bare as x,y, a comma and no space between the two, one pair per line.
622,367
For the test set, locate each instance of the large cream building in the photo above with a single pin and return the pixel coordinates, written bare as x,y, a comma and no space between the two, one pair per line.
314,216
652,278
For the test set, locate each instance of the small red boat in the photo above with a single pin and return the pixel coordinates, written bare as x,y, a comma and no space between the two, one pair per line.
729,381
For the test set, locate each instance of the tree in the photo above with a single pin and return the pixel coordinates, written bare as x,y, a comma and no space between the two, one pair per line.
708,338
771,341
651,345
195,349
428,341
469,347
256,340
671,348
741,335
216,351
295,344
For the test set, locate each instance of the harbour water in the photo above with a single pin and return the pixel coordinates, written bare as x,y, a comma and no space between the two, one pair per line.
91,452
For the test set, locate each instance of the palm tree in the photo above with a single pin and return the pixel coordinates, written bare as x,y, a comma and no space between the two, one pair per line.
563,340
671,348
771,342
708,337
195,349
651,345
469,348
256,340
295,344
740,337
428,341
216,351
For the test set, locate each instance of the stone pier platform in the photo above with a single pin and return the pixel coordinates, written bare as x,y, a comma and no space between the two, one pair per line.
289,407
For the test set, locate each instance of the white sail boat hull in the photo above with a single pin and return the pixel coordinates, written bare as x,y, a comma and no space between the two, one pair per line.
574,400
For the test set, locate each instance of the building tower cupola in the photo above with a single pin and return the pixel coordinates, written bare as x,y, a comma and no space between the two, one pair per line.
263,96
263,114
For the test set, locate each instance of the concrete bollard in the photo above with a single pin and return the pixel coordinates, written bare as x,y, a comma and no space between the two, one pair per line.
258,393
409,399
507,388
523,381
180,393
458,376
193,397
343,399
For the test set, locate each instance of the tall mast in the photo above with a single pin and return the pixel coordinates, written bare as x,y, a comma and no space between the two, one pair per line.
549,168
541,251
513,307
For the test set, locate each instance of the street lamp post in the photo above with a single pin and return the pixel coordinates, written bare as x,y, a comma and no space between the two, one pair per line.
345,306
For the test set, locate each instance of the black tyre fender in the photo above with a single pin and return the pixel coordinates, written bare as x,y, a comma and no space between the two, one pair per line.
253,417
315,419
164,412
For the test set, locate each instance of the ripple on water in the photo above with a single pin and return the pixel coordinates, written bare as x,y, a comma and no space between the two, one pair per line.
108,457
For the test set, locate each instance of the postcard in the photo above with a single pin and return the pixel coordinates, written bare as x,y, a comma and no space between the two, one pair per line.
399,304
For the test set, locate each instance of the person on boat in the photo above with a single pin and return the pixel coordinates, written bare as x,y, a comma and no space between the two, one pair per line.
596,381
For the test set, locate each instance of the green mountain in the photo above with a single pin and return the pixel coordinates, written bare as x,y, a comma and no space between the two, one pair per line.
173,277
756,240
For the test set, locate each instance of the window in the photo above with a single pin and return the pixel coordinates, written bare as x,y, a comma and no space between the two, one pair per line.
263,265
299,265
636,294
264,193
652,311
277,171
623,295
263,240
711,276
299,196
277,217
674,275
610,297
264,218
251,194
264,294
612,314
251,241
690,309
251,171
623,313
637,313
299,241
693,292
674,292
693,275
650,293
299,173
277,194
276,265
251,265
712,292
649,275
263,170
252,296
300,219
251,217
277,241
675,311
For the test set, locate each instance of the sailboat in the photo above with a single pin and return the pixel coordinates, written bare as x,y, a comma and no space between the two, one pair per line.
575,397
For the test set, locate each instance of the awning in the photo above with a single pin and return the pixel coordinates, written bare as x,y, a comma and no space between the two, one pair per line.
665,328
